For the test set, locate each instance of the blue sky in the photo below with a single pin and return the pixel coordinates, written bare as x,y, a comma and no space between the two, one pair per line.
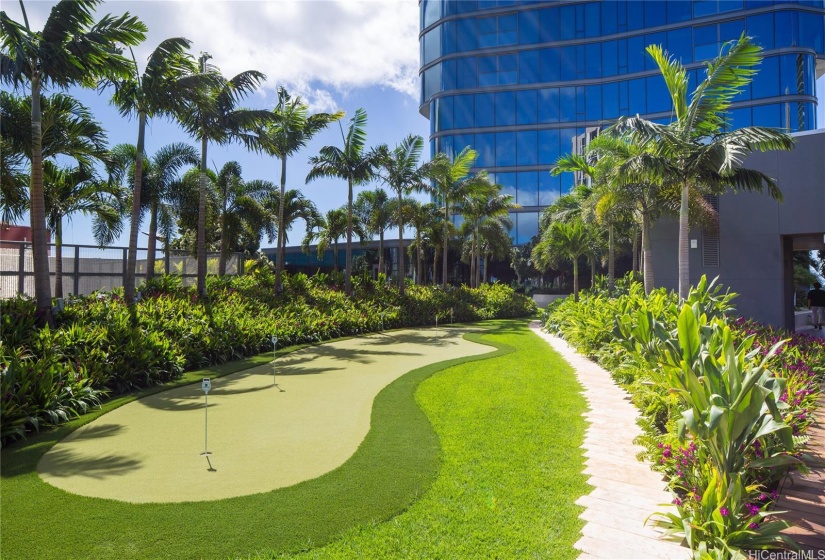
335,54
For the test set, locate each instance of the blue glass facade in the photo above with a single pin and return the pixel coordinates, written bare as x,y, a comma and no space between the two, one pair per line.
523,81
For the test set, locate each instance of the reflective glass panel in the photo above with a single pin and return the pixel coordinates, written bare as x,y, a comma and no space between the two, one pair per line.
548,110
485,110
529,67
610,65
465,38
526,107
549,30
610,101
527,147
528,27
505,108
548,146
678,44
505,149
549,188
528,226
466,69
528,188
464,111
485,145
550,65
567,104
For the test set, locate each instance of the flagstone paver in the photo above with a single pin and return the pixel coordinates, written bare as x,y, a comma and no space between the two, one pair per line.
625,491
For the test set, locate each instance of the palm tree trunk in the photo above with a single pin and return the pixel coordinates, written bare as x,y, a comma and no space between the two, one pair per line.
37,215
419,258
485,268
444,256
647,254
131,256
436,253
576,279
348,266
684,249
380,250
58,258
201,249
593,271
224,238
477,258
152,244
279,262
401,255
635,266
335,256
611,260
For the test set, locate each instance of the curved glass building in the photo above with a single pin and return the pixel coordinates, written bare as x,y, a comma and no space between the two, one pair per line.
524,82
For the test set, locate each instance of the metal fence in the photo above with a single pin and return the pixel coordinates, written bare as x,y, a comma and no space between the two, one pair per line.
87,268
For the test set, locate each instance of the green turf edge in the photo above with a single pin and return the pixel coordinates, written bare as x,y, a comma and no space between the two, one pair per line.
397,461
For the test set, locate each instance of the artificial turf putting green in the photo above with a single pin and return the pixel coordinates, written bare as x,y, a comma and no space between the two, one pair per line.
262,435
510,426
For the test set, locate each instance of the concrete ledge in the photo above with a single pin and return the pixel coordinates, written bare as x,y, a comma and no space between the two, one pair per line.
543,300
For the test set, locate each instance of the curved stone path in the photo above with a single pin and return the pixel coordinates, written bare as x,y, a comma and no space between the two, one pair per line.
625,491
261,438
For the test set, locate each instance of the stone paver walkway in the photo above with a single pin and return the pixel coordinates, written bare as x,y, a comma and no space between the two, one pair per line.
625,491
803,496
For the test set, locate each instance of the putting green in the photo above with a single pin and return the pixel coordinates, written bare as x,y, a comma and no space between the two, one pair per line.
261,436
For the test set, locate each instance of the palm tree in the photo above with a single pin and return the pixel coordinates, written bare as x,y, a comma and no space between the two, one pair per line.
242,209
563,240
422,217
374,212
329,229
72,49
214,116
67,129
452,185
184,199
168,82
495,240
296,206
159,174
355,164
483,204
289,130
71,190
694,151
400,170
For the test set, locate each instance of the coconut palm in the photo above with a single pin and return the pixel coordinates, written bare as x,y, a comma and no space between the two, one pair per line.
243,213
375,213
353,163
158,175
453,184
478,206
400,170
296,206
289,129
328,229
563,241
72,49
67,129
169,80
694,151
215,116
78,189
422,217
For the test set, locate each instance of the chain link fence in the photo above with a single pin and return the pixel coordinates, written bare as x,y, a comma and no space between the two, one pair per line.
88,268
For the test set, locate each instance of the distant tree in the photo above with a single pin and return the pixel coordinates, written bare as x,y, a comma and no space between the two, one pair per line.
327,230
374,212
296,206
72,49
352,163
214,116
563,240
423,218
289,129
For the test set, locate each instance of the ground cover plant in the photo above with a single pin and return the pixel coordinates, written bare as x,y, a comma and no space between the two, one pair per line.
101,346
498,451
725,403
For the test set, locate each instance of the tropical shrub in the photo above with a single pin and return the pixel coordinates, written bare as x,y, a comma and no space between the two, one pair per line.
725,403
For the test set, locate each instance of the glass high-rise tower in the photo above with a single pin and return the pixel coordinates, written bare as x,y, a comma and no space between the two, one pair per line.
524,82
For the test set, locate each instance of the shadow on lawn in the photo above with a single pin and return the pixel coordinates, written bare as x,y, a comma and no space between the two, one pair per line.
430,337
97,431
63,462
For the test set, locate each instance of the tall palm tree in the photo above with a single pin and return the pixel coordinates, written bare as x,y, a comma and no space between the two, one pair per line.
214,116
159,174
289,129
78,189
453,183
168,82
400,170
353,163
68,129
242,209
328,229
495,240
296,206
694,151
374,212
72,49
563,240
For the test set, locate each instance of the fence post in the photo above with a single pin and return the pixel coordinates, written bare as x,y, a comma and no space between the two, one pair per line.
241,263
125,257
76,269
21,270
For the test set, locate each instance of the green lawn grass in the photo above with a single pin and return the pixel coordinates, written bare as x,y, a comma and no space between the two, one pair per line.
495,471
